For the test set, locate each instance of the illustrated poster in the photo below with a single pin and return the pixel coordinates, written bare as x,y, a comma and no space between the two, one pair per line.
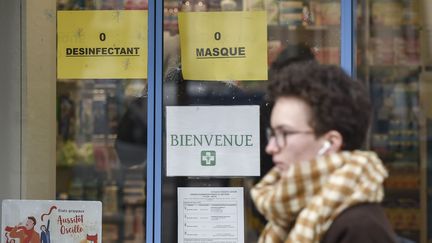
44,221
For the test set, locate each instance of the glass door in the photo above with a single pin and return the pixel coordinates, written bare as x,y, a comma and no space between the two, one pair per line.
192,205
102,118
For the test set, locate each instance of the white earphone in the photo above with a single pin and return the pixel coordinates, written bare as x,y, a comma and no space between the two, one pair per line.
326,146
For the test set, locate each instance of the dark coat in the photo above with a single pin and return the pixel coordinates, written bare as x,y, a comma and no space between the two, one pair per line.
363,223
131,142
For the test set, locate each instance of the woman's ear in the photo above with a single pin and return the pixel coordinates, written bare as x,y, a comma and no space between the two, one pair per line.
335,139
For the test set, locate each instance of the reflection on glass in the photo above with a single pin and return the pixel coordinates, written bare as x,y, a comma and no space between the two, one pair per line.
102,141
295,30
389,60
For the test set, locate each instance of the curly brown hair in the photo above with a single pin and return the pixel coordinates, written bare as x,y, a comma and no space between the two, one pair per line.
337,101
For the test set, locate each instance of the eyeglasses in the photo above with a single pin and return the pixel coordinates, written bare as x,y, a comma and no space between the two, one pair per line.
280,135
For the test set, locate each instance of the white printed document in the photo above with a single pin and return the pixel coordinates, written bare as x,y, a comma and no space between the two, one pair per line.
210,214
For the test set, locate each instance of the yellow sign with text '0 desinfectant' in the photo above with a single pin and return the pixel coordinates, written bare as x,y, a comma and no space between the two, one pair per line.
223,45
102,44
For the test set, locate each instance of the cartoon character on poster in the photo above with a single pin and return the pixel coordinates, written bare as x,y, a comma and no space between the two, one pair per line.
25,231
45,234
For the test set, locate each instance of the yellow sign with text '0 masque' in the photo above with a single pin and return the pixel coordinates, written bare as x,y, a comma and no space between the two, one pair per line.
223,45
102,44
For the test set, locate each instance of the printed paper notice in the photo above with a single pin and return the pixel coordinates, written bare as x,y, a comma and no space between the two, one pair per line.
223,45
212,141
102,44
210,215
51,221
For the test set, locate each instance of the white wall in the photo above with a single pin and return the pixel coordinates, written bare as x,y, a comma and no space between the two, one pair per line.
10,99
27,99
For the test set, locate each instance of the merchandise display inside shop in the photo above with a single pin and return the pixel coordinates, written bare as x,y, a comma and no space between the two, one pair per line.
390,59
91,113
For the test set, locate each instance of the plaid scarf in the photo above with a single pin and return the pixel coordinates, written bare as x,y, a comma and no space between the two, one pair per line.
301,203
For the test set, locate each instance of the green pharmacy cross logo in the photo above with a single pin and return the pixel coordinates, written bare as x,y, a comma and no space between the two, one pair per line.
208,158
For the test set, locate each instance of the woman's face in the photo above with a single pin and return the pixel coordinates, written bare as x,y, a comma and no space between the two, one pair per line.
290,123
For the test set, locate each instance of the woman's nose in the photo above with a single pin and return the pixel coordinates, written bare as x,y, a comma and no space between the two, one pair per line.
271,146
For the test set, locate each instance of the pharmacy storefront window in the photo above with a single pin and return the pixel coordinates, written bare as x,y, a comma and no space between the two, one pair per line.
394,58
102,111
215,67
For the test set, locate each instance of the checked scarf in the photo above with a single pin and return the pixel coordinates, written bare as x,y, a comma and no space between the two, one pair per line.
301,203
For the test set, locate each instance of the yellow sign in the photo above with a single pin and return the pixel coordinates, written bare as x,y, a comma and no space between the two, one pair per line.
223,45
102,44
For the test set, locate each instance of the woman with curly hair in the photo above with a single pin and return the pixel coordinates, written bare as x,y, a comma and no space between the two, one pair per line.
322,187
